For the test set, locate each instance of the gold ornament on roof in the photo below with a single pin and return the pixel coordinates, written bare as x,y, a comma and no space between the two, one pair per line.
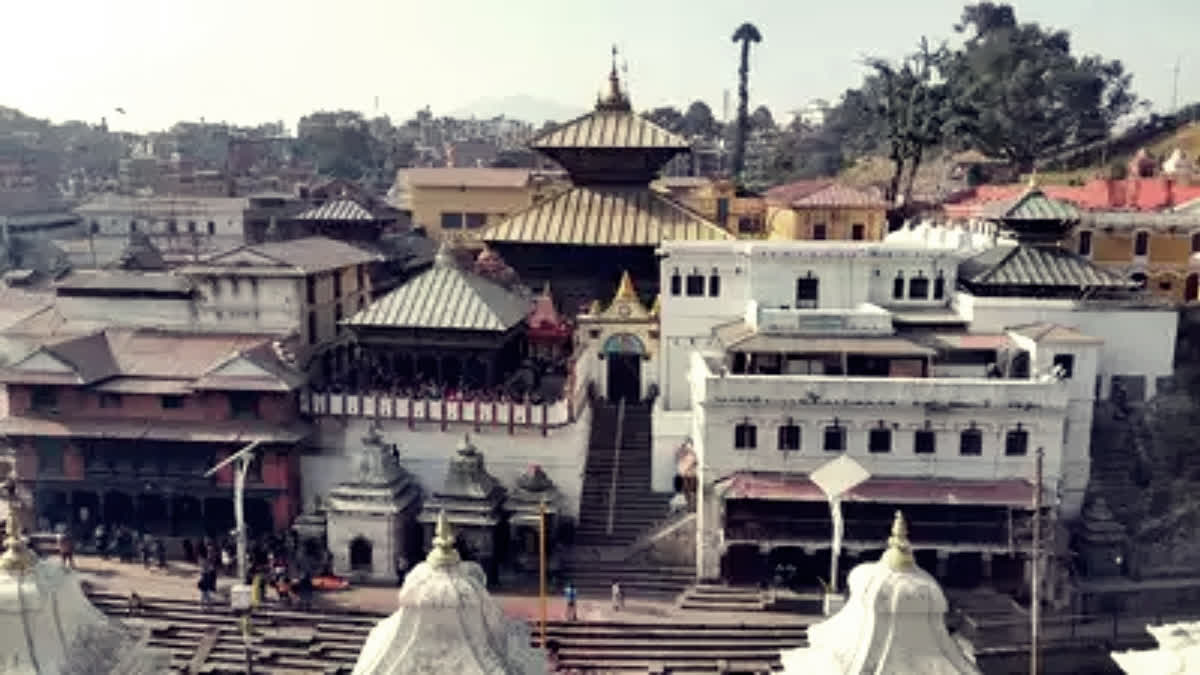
443,553
657,306
17,558
899,555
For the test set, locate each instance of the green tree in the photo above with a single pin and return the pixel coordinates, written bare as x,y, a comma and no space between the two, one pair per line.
762,118
699,120
1033,96
746,34
339,142
667,117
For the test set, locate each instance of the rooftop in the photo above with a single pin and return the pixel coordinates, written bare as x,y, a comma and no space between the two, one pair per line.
1033,267
91,280
472,177
338,209
309,255
836,195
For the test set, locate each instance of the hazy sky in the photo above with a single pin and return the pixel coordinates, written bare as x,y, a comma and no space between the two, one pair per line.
247,61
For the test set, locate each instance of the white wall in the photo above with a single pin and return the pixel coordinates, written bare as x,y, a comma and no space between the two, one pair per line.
113,214
143,312
426,451
670,428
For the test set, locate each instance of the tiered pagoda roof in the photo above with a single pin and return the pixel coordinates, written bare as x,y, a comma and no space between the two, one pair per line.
470,496
534,488
545,323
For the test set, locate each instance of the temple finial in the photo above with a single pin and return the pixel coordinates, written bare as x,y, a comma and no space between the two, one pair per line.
443,553
898,555
465,446
445,255
1034,182
17,558
625,290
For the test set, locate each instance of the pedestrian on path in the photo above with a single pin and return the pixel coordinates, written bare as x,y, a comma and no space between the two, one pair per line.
207,586
618,598
66,550
571,597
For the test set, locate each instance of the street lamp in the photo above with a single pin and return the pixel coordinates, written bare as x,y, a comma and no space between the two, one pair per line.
241,461
836,478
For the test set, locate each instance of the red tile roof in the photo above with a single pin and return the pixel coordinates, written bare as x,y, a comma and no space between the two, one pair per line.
1136,194
790,192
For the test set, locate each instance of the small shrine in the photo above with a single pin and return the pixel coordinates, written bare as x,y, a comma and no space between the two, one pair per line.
893,622
1102,540
448,624
371,530
48,625
535,495
141,254
471,498
625,334
1178,651
549,334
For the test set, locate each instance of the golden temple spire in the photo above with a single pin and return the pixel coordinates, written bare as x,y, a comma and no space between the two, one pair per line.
443,553
17,559
657,306
898,555
1034,181
615,100
625,291
595,308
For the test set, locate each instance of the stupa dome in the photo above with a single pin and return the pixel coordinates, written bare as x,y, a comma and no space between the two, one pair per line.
448,623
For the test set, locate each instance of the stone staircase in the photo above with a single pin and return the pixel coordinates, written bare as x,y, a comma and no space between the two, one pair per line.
1115,464
599,556
721,598
328,641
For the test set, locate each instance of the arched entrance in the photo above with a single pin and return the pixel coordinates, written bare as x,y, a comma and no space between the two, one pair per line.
1191,287
624,353
361,554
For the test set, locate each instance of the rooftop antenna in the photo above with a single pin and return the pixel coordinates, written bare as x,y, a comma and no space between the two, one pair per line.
1175,85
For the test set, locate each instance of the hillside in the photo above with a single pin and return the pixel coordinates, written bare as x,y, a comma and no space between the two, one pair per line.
1186,138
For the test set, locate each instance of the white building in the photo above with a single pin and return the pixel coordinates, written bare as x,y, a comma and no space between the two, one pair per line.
942,376
164,217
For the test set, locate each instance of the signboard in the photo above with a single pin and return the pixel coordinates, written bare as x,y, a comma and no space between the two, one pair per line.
241,597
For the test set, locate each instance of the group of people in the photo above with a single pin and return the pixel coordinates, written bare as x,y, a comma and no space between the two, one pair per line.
272,562
571,598
124,544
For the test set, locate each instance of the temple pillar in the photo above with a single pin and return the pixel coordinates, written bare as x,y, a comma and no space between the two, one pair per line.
943,565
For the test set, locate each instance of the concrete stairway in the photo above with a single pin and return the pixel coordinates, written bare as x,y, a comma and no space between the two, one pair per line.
721,598
328,642
1115,465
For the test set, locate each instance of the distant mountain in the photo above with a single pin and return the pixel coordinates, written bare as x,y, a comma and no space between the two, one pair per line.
519,107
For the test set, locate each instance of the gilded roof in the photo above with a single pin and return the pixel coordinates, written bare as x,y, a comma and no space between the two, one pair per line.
1033,204
1044,266
445,297
338,209
608,129
605,216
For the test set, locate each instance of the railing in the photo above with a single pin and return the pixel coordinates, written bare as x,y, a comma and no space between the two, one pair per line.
616,468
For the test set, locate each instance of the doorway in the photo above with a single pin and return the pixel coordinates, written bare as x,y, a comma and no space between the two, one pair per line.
624,354
361,555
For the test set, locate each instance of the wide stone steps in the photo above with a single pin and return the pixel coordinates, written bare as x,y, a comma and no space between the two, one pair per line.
715,598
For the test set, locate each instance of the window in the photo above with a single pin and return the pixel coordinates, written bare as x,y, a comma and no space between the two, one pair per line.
695,284
714,284
243,405
95,227
254,472
1067,363
918,288
50,455
745,436
44,399
110,400
970,442
1196,242
337,284
835,438
939,287
898,286
312,328
212,227
360,277
191,227
476,220
819,233
722,211
172,226
311,294
337,318
746,224
132,226
676,283
1141,243
254,286
789,436
1085,243
807,292
858,232
879,439
925,442
452,221
1016,442
172,402
233,285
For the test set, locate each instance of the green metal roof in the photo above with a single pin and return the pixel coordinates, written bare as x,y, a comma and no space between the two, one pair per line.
1033,204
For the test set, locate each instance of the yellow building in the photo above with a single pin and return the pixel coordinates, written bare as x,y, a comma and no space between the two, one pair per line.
458,203
718,201
819,211
1158,250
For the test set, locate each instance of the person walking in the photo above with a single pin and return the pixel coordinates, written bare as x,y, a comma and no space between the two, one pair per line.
571,598
147,547
305,590
66,550
160,553
618,598
207,586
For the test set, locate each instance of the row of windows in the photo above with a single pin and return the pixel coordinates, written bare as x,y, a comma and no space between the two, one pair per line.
243,404
807,288
880,439
234,285
1141,243
172,227
116,459
858,232
694,284
918,287
311,290
470,221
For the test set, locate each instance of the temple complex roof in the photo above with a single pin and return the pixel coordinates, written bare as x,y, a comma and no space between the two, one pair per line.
445,297
338,209
379,484
893,622
614,215
1032,205
469,494
447,623
544,319
534,488
1032,267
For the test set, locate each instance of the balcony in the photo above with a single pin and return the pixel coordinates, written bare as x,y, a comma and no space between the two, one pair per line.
863,320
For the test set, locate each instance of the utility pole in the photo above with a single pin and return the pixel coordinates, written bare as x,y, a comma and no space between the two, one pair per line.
542,569
241,461
1035,602
1175,85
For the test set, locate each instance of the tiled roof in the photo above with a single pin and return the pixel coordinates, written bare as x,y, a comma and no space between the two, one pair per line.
338,209
1054,333
838,195
605,216
1033,204
790,192
608,129
1037,266
308,255
445,297
157,282
1138,194
141,429
466,177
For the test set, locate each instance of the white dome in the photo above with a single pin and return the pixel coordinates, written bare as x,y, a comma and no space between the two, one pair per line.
448,623
893,623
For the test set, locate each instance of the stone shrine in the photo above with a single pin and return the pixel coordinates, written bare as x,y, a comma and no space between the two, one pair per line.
370,518
471,498
523,506
448,624
893,622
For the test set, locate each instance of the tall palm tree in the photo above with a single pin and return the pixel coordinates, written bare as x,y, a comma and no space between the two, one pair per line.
746,34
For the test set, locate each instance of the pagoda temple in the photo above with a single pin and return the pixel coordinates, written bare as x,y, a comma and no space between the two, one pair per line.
472,499
611,219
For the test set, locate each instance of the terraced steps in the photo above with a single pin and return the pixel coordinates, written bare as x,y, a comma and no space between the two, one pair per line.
718,598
